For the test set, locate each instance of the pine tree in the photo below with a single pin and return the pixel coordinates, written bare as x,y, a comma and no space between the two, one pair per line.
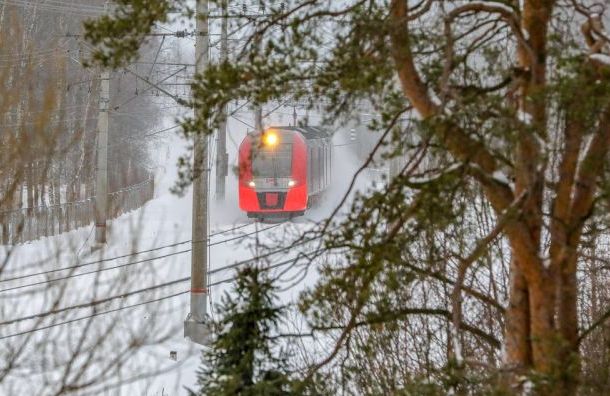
243,359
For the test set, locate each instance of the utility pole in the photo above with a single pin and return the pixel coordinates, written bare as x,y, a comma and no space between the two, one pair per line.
196,326
257,108
101,182
222,159
258,118
101,175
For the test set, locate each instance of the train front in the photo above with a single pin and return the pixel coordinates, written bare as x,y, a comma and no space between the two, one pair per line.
273,174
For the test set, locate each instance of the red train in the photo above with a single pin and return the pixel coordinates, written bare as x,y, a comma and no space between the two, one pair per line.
283,169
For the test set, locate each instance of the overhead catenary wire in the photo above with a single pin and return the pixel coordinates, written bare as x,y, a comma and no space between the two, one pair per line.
91,316
65,268
137,138
128,264
53,280
262,256
98,302
91,303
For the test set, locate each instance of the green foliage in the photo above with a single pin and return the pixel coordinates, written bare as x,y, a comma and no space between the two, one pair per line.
399,248
378,258
118,36
245,358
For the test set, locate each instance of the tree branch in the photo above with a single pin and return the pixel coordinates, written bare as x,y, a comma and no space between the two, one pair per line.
394,315
479,249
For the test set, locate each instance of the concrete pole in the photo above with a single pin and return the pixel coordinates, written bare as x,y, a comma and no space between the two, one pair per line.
258,118
195,326
258,109
221,144
101,182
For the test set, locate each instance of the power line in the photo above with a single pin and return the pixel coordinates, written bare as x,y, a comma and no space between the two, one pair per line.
140,137
257,258
117,257
48,281
132,293
151,85
91,303
277,265
91,316
93,271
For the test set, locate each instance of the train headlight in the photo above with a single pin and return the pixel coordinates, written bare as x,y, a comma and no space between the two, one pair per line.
270,138
291,183
251,184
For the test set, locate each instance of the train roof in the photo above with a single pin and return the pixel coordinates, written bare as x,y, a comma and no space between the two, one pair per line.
308,132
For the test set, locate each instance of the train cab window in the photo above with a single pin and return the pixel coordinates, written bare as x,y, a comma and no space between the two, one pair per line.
309,167
272,163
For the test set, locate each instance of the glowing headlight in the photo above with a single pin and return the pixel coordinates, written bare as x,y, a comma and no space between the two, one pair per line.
291,183
270,138
251,183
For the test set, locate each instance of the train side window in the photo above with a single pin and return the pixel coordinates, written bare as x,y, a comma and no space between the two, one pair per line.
319,169
309,167
315,169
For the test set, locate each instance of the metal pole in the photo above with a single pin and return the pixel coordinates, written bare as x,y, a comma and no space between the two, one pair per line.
101,183
221,146
195,326
257,108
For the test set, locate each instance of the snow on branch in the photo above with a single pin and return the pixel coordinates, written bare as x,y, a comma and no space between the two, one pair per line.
506,12
484,5
500,177
602,59
524,117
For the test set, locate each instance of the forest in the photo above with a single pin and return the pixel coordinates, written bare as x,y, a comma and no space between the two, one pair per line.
480,264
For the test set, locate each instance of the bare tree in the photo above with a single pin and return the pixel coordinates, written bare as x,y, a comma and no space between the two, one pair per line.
71,322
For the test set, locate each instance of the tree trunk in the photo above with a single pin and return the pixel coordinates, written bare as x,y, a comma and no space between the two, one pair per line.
30,186
543,336
518,351
56,188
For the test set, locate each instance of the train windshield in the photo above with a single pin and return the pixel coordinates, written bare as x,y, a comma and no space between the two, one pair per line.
267,163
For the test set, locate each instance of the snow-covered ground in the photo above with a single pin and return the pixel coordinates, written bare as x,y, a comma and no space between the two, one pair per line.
166,220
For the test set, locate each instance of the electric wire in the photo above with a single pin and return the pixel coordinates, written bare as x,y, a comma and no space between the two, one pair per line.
116,257
113,267
91,303
48,313
91,316
128,264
